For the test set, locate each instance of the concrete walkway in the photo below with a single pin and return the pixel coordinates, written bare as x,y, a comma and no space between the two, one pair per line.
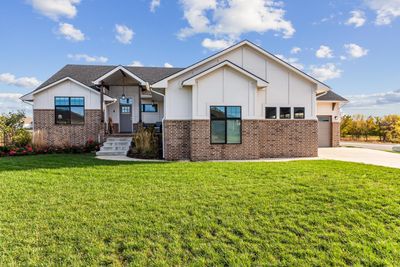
374,146
358,155
361,155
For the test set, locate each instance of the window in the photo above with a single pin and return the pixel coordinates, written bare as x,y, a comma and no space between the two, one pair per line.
69,110
270,113
149,108
126,109
285,114
226,125
299,113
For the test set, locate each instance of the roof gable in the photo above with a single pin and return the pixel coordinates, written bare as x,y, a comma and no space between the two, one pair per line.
164,82
261,83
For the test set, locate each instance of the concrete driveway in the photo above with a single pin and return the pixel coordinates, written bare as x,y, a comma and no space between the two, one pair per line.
384,147
361,155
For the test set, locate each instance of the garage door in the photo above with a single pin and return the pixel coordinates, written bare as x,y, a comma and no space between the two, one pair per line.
324,131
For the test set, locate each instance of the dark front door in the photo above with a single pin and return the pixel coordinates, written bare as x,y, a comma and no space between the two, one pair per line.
125,117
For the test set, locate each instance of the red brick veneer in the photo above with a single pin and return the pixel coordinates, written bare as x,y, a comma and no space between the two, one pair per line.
65,135
260,139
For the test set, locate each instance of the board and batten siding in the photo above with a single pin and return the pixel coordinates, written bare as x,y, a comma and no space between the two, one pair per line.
45,99
226,86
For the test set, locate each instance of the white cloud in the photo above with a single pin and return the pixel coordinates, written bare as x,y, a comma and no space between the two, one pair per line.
70,32
10,102
215,45
357,18
25,82
229,19
375,99
324,52
87,58
167,65
326,72
55,9
292,61
154,4
124,34
386,10
295,50
355,51
136,63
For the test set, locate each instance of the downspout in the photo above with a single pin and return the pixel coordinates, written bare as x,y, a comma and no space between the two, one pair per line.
162,123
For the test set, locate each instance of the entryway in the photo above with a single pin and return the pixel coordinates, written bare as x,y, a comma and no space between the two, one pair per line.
125,115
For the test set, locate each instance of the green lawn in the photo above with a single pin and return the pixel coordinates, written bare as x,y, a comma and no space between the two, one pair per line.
76,210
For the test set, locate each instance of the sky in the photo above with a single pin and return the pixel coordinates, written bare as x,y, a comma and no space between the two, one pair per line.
352,45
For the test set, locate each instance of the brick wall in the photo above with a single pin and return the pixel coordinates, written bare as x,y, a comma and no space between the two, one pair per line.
335,134
63,135
260,139
177,139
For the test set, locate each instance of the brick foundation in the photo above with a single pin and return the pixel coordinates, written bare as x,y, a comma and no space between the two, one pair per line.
186,140
66,135
335,134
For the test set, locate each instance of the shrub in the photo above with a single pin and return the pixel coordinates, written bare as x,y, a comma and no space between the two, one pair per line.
22,138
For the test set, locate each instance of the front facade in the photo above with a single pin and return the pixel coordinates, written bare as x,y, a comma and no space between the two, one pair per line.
242,103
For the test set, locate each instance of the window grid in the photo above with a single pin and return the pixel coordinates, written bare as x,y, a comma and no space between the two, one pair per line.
226,116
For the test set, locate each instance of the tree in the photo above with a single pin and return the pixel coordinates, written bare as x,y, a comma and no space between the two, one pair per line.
10,124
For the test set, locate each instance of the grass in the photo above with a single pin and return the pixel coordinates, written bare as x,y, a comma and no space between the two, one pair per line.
76,210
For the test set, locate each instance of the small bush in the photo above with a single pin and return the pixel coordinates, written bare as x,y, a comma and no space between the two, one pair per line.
145,143
22,138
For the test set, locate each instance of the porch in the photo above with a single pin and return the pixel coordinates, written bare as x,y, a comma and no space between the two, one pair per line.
133,103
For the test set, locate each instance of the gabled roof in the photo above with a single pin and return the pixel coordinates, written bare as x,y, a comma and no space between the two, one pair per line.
163,82
86,74
260,82
331,96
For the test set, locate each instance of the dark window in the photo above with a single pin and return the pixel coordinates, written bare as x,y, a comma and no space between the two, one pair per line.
69,110
285,114
149,108
299,113
226,125
270,113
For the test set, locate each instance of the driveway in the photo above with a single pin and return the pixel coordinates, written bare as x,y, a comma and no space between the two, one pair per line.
384,147
361,155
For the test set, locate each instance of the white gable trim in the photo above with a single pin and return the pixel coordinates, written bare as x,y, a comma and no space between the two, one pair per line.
164,83
192,80
132,75
29,96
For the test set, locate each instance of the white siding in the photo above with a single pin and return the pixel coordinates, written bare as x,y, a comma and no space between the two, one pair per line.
286,88
45,99
153,117
325,109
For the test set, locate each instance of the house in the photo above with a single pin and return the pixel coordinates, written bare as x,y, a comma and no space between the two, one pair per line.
241,103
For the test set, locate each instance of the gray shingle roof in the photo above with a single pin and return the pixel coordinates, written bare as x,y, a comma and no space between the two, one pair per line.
88,73
331,96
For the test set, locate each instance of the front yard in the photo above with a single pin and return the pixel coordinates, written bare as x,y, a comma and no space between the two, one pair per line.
76,210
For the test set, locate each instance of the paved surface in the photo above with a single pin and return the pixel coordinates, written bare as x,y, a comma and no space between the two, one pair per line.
384,147
358,155
361,155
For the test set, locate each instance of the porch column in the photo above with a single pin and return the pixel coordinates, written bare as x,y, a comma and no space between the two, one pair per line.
140,103
102,87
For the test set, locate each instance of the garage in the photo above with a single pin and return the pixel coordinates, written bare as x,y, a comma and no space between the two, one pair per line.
324,131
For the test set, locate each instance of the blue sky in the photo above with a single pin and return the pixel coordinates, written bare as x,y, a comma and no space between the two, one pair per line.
352,45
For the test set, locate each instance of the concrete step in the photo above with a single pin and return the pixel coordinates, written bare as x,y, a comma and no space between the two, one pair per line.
119,139
111,153
114,148
117,143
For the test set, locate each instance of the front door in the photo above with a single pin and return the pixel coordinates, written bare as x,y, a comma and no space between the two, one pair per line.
125,115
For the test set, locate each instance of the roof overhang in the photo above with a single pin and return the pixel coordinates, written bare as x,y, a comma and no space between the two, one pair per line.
120,68
261,83
321,87
30,96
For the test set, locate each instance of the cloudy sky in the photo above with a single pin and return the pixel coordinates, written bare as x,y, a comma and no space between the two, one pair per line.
353,45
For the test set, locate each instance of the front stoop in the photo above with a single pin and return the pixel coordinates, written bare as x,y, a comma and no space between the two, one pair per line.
115,146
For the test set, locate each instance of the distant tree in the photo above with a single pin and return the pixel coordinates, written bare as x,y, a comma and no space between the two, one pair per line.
10,124
345,125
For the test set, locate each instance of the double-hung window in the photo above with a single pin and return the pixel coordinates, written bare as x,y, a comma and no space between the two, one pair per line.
226,124
69,110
